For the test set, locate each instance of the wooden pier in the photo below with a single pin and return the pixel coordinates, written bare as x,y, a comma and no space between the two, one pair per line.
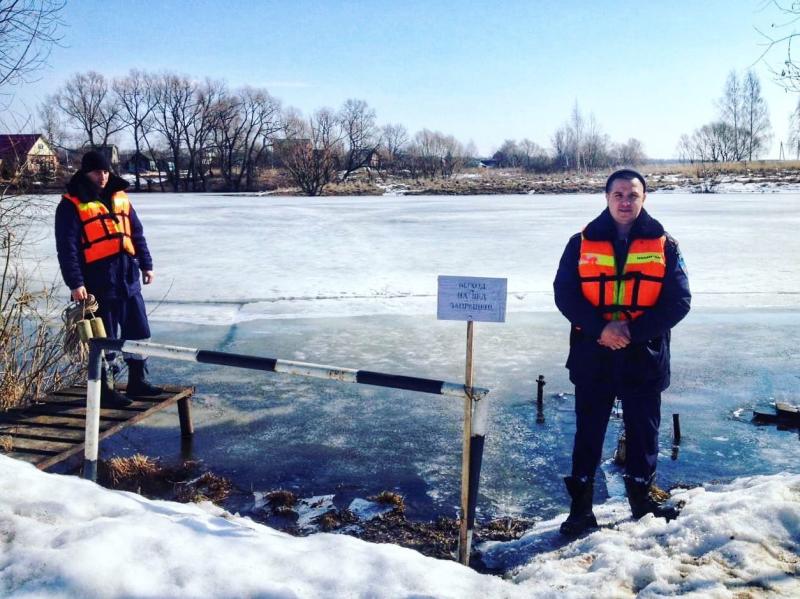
52,431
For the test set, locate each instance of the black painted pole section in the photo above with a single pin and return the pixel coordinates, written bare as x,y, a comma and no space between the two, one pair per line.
676,429
240,361
475,462
540,399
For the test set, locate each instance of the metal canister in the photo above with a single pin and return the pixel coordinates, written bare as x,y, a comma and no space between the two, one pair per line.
98,328
84,330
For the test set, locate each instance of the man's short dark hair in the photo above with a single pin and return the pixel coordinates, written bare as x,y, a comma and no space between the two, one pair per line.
628,174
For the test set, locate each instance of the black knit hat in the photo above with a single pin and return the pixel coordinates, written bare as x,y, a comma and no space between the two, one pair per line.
628,174
94,161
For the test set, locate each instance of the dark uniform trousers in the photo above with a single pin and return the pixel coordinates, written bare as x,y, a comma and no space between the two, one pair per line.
642,417
124,318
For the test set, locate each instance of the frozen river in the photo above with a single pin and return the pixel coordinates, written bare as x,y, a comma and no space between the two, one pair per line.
352,282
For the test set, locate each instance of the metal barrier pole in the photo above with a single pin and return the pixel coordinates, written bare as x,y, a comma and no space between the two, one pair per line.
465,530
92,441
320,371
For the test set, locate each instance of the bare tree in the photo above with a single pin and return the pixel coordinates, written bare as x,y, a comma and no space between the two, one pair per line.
595,145
90,106
794,131
245,126
394,139
783,34
361,138
731,107
534,156
579,143
508,155
562,156
50,123
575,132
28,30
630,153
174,96
197,123
136,96
433,153
312,156
756,116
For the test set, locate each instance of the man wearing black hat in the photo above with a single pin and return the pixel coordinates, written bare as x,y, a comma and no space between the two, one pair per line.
622,284
102,251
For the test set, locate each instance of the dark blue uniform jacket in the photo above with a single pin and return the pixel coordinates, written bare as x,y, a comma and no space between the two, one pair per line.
115,277
644,364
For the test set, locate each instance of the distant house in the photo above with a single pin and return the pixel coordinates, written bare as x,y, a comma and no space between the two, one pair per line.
27,153
139,162
489,163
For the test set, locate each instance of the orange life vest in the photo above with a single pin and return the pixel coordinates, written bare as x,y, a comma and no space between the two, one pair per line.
105,233
625,295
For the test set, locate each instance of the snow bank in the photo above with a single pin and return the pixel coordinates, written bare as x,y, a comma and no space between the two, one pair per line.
729,540
61,537
65,537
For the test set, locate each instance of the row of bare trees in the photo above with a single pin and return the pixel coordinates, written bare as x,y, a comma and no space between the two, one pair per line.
202,125
578,144
741,132
195,123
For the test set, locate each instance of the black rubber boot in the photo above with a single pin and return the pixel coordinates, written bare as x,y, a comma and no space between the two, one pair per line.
642,502
109,397
581,518
138,385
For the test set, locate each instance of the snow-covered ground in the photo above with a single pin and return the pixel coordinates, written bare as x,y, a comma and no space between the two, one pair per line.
62,537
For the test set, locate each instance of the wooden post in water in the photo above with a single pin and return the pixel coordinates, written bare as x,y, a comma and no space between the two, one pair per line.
185,417
540,399
465,535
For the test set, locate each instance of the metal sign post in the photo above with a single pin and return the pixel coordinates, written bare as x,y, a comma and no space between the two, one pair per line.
471,299
465,531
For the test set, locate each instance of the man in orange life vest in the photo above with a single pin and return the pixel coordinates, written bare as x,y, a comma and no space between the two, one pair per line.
101,251
622,284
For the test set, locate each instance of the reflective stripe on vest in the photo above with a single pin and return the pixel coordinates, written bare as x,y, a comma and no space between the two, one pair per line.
622,296
105,234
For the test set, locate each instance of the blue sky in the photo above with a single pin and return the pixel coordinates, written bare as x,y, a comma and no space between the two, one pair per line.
482,71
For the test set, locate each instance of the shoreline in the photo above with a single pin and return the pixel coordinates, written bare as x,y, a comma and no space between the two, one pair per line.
761,177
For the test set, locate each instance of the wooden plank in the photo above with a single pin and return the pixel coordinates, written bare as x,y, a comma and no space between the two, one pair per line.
52,431
186,392
40,446
43,432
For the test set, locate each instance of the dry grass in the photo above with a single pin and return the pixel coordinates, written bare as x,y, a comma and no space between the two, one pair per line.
658,495
32,358
147,476
6,444
336,519
208,487
389,498
281,499
137,466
